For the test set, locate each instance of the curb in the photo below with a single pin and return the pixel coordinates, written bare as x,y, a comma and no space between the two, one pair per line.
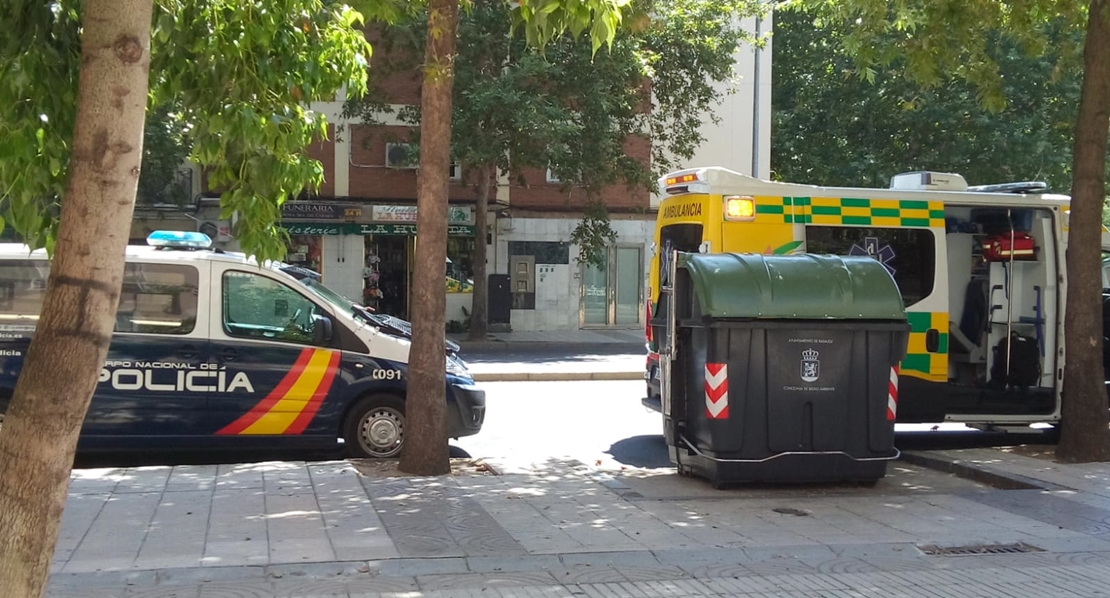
984,474
569,348
555,376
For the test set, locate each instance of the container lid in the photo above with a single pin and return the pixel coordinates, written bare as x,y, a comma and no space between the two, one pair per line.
736,285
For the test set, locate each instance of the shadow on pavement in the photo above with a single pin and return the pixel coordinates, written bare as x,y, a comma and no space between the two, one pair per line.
193,457
650,451
951,440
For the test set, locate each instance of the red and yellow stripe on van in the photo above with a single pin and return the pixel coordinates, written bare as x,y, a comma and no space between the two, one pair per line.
293,403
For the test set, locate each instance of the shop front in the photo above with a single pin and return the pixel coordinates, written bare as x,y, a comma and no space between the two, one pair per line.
371,262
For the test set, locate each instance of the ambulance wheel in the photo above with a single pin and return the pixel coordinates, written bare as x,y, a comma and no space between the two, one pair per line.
375,427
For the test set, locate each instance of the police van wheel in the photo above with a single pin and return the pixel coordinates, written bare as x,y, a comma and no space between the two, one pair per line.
375,427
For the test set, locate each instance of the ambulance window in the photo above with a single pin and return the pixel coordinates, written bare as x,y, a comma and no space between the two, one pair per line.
258,307
909,254
158,299
683,237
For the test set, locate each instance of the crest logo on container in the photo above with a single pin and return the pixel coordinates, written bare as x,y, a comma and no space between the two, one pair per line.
811,366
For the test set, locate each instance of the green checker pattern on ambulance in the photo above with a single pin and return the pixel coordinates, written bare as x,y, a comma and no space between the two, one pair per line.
919,360
850,211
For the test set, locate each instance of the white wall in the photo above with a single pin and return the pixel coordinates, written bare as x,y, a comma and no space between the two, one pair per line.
341,260
742,139
558,286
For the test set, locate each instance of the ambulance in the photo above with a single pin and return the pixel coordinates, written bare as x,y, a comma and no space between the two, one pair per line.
980,269
213,350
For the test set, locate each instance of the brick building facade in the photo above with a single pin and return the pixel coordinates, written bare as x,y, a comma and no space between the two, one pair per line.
358,229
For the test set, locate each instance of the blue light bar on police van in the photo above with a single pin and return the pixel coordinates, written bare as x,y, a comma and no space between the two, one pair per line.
178,238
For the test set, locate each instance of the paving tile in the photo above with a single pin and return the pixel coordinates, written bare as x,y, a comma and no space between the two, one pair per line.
240,476
207,575
1042,506
613,559
81,510
177,531
86,592
387,587
244,589
116,535
310,588
482,564
177,592
484,580
188,478
586,574
421,566
143,479
320,570
651,573
703,570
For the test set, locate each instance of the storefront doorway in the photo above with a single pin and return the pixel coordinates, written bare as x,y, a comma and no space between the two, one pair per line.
367,252
388,275
612,295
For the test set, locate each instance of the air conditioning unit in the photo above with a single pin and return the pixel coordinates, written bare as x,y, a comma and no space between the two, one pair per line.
218,230
401,155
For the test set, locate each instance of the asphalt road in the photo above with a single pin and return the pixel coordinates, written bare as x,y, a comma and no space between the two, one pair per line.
603,423
591,421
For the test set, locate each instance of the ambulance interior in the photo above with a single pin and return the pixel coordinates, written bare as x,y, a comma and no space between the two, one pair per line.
1002,273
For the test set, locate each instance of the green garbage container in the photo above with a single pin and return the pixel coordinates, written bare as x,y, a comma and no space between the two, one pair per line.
785,368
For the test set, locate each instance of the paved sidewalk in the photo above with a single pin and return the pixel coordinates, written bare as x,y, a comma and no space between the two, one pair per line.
563,529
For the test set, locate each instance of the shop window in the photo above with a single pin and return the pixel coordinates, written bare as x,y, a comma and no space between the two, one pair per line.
304,250
909,254
460,264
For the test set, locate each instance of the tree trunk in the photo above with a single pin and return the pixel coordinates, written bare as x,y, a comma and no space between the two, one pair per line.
479,310
71,340
425,450
1085,436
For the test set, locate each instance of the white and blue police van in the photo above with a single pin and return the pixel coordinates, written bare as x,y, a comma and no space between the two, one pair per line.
214,350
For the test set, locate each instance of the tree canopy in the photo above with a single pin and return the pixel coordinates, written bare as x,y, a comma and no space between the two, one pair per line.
572,109
834,127
240,76
935,42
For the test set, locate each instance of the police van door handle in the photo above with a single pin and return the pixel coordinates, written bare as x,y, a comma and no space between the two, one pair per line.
228,355
187,352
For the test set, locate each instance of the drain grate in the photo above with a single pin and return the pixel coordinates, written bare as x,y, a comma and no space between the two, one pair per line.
974,549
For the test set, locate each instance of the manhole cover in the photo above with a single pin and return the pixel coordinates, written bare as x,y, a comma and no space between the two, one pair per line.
1020,547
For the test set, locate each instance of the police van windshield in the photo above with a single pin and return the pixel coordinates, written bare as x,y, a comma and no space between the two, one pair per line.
329,296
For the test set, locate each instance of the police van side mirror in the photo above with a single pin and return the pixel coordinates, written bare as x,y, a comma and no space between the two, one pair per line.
321,329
